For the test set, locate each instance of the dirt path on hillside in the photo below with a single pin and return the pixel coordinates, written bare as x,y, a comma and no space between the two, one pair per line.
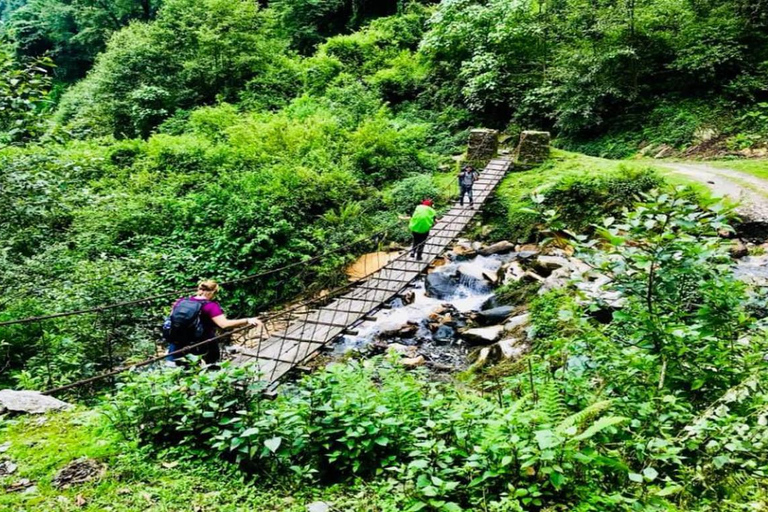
749,191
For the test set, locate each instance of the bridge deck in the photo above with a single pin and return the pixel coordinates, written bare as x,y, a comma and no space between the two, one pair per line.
309,331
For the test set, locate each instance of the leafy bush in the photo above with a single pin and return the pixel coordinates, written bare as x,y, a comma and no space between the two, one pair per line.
446,448
581,200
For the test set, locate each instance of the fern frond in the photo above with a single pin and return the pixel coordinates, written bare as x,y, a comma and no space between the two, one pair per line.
600,425
551,402
585,415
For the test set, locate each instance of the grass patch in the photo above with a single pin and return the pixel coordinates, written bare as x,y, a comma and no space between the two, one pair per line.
758,168
139,479
564,173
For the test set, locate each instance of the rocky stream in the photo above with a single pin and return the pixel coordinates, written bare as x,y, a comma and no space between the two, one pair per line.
451,319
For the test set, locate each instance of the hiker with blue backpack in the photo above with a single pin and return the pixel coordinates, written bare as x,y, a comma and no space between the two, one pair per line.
195,319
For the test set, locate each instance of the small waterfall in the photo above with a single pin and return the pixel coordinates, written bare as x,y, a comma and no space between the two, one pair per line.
429,322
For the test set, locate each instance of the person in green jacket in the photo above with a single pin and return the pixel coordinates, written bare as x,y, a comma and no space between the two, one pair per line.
422,220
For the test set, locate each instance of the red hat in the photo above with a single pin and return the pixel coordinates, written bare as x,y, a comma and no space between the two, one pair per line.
427,202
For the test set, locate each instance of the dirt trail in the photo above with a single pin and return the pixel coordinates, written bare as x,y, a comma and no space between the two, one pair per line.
749,191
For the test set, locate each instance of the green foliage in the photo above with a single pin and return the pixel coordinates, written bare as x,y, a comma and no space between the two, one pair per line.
193,53
580,200
24,90
71,32
309,22
679,353
443,450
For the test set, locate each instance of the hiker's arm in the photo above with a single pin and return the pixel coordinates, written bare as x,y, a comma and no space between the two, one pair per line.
225,323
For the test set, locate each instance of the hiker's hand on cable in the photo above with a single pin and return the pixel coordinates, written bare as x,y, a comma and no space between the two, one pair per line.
254,322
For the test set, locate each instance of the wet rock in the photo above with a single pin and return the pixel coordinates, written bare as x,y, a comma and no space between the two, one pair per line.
408,330
494,316
444,334
403,350
545,265
738,250
408,297
502,247
513,273
440,285
463,252
492,276
78,472
517,321
29,402
482,335
471,275
318,506
413,362
511,349
490,303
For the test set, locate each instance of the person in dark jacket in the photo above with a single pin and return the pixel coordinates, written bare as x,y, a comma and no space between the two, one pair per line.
467,178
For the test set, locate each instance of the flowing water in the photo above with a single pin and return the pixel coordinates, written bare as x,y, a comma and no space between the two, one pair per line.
427,323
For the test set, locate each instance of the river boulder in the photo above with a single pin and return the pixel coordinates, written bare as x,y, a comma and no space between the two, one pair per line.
29,402
482,335
502,247
440,285
494,316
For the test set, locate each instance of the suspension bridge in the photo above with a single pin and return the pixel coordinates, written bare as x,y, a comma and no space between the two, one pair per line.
302,330
307,331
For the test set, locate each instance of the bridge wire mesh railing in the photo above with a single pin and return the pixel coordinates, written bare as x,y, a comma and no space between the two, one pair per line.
110,314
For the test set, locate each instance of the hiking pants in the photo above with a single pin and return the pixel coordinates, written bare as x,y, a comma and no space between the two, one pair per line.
419,240
465,189
211,352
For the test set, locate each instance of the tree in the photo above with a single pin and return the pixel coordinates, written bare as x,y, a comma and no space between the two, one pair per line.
24,90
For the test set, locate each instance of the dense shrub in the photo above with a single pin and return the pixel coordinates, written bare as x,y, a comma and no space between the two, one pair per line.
580,201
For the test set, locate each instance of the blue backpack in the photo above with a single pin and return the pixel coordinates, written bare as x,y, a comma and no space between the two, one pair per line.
184,326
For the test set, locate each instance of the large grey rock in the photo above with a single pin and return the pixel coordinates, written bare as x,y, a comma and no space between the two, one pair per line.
502,247
533,148
440,285
556,280
318,506
518,321
513,273
469,274
483,335
545,265
494,316
29,402
483,145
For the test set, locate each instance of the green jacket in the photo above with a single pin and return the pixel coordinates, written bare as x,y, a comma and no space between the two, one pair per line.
423,219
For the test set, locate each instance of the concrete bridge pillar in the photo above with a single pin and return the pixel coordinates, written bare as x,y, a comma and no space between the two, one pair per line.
533,148
483,146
